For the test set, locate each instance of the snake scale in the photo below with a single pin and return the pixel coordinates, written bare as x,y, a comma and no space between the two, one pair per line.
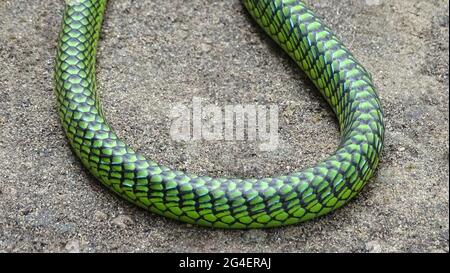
225,202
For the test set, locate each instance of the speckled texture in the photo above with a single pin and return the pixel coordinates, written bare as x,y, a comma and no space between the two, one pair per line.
218,53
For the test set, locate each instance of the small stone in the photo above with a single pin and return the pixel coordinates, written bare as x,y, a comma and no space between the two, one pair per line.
373,247
100,216
10,191
122,221
205,47
73,246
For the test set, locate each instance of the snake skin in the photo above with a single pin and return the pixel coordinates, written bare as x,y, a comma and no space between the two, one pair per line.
223,202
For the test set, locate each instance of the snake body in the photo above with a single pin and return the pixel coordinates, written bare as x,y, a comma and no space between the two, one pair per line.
224,202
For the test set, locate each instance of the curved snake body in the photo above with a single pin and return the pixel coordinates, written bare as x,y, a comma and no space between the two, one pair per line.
223,202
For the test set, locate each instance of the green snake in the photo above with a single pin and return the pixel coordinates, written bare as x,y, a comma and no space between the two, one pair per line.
227,202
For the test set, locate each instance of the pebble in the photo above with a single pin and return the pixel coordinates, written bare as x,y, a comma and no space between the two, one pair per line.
205,47
122,221
73,246
373,247
100,216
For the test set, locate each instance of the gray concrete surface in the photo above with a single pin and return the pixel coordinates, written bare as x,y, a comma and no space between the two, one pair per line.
154,54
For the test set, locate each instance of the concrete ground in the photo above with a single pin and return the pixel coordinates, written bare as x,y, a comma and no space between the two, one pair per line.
157,53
